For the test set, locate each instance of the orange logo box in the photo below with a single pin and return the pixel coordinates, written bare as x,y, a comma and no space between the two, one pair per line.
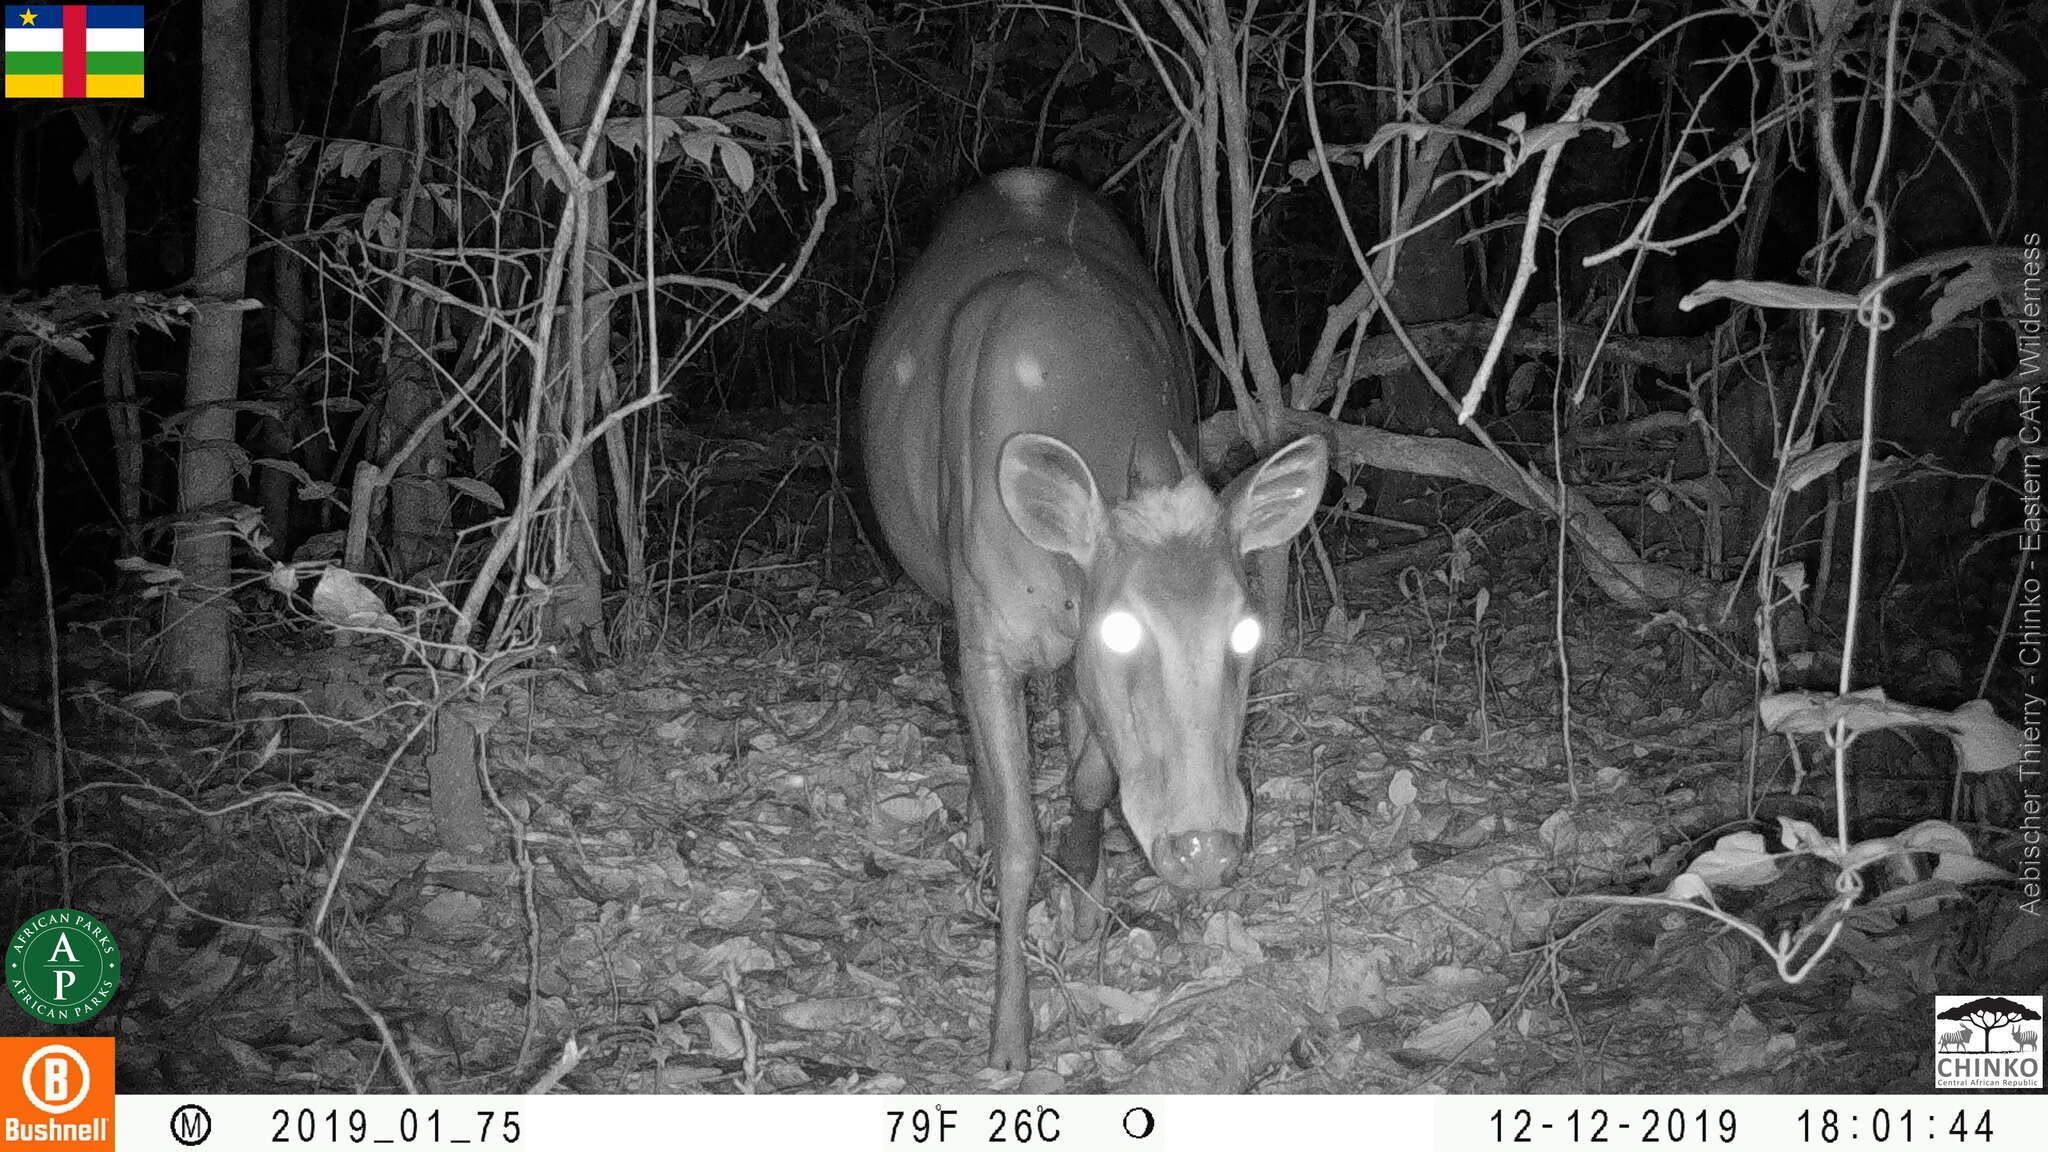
57,1092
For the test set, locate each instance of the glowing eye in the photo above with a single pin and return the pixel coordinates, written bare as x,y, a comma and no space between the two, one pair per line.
1120,632
1245,637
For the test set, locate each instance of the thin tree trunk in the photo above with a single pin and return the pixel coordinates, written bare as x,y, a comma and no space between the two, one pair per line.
580,43
1429,282
14,516
28,243
293,424
117,364
416,487
196,639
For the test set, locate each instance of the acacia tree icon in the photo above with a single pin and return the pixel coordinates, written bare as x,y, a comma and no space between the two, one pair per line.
1989,1013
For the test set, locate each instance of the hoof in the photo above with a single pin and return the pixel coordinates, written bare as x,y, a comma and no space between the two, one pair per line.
1081,914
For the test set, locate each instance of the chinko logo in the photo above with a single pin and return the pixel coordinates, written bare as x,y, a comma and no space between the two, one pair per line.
1987,1042
82,51
57,1092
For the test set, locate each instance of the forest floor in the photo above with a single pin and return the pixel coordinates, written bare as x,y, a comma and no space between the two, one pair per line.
741,863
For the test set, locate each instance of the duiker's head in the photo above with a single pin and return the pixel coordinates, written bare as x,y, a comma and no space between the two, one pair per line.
1168,634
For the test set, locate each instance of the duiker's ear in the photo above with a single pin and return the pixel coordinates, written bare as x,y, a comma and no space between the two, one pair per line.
1050,495
1266,506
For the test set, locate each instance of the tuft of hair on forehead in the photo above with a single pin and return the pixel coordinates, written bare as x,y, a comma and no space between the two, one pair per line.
1182,510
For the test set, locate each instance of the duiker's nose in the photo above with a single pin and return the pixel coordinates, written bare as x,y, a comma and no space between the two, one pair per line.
1202,859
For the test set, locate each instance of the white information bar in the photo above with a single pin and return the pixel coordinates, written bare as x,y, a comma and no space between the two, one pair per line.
1055,1123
